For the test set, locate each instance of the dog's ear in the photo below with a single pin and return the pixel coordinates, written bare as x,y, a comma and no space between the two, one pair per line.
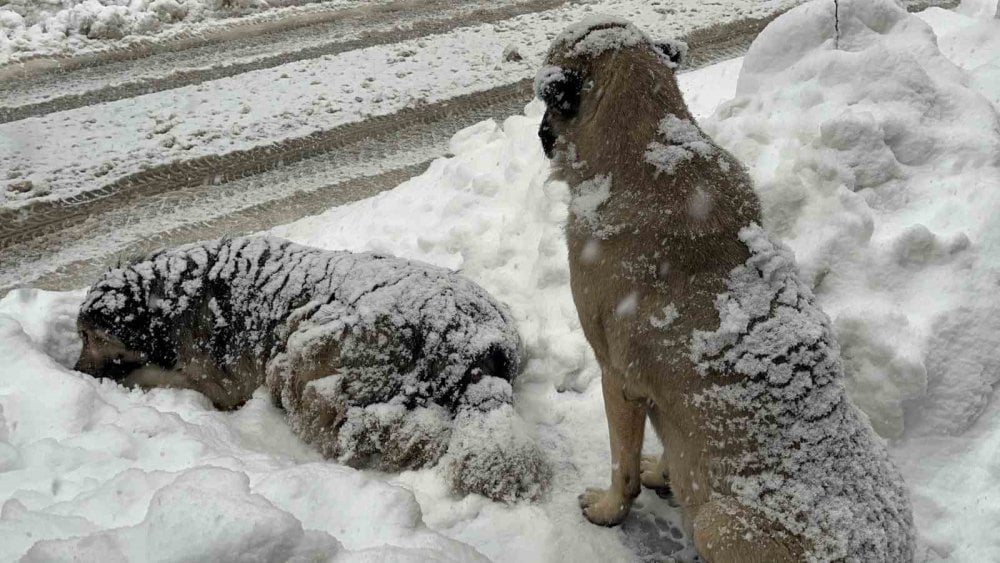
560,89
673,50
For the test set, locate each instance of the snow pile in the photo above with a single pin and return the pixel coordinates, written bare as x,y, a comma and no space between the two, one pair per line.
879,167
30,25
232,524
371,355
804,456
972,41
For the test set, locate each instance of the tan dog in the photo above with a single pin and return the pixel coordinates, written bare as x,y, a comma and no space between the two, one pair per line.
701,323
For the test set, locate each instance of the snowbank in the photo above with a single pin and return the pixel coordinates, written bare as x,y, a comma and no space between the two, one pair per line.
880,167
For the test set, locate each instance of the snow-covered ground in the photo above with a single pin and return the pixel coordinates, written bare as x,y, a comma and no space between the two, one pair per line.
33,27
879,164
66,152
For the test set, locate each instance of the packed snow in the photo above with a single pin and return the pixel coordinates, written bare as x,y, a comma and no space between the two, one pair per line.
903,263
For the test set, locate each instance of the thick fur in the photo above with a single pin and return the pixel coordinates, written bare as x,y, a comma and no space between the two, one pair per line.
373,357
767,458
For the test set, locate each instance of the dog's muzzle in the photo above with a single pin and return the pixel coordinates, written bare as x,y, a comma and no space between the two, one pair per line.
547,136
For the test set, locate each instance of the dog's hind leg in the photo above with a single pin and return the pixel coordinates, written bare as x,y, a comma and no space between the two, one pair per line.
728,532
653,473
626,422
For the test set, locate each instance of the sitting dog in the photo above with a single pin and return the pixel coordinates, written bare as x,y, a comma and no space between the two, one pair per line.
701,323
380,362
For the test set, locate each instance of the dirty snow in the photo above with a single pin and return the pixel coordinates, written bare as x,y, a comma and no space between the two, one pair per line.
37,26
85,458
64,153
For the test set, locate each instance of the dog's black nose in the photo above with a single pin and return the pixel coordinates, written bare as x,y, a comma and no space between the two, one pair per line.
547,136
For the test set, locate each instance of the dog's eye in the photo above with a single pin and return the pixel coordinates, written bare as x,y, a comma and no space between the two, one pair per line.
561,89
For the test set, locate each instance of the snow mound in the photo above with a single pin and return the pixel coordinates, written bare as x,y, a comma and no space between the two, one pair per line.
230,524
806,457
370,355
877,164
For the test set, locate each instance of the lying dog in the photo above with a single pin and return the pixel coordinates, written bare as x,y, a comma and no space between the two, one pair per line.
380,362
701,322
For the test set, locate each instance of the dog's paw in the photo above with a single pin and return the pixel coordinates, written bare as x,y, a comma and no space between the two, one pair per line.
604,508
653,475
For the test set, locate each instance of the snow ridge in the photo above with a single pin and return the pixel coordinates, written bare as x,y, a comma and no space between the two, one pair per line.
402,342
803,456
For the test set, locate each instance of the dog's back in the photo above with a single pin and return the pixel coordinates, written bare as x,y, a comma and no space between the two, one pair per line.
234,306
786,441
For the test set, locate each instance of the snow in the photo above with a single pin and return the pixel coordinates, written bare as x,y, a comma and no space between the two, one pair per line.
67,152
906,270
591,194
594,35
683,142
32,26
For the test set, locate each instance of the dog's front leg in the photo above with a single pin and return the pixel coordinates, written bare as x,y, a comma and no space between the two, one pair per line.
626,422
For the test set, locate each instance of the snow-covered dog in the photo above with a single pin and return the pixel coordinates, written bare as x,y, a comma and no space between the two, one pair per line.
701,322
380,362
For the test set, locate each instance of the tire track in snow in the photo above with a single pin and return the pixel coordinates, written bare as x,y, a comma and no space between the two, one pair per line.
31,235
392,23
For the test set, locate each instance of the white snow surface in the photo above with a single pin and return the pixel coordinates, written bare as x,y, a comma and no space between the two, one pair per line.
80,458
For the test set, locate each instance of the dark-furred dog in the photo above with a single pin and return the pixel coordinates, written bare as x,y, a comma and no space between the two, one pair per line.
380,362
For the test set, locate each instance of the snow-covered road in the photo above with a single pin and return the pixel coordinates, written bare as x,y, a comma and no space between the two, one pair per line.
82,149
106,206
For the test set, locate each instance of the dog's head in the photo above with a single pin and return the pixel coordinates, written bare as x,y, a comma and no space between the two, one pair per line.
121,327
591,71
105,355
